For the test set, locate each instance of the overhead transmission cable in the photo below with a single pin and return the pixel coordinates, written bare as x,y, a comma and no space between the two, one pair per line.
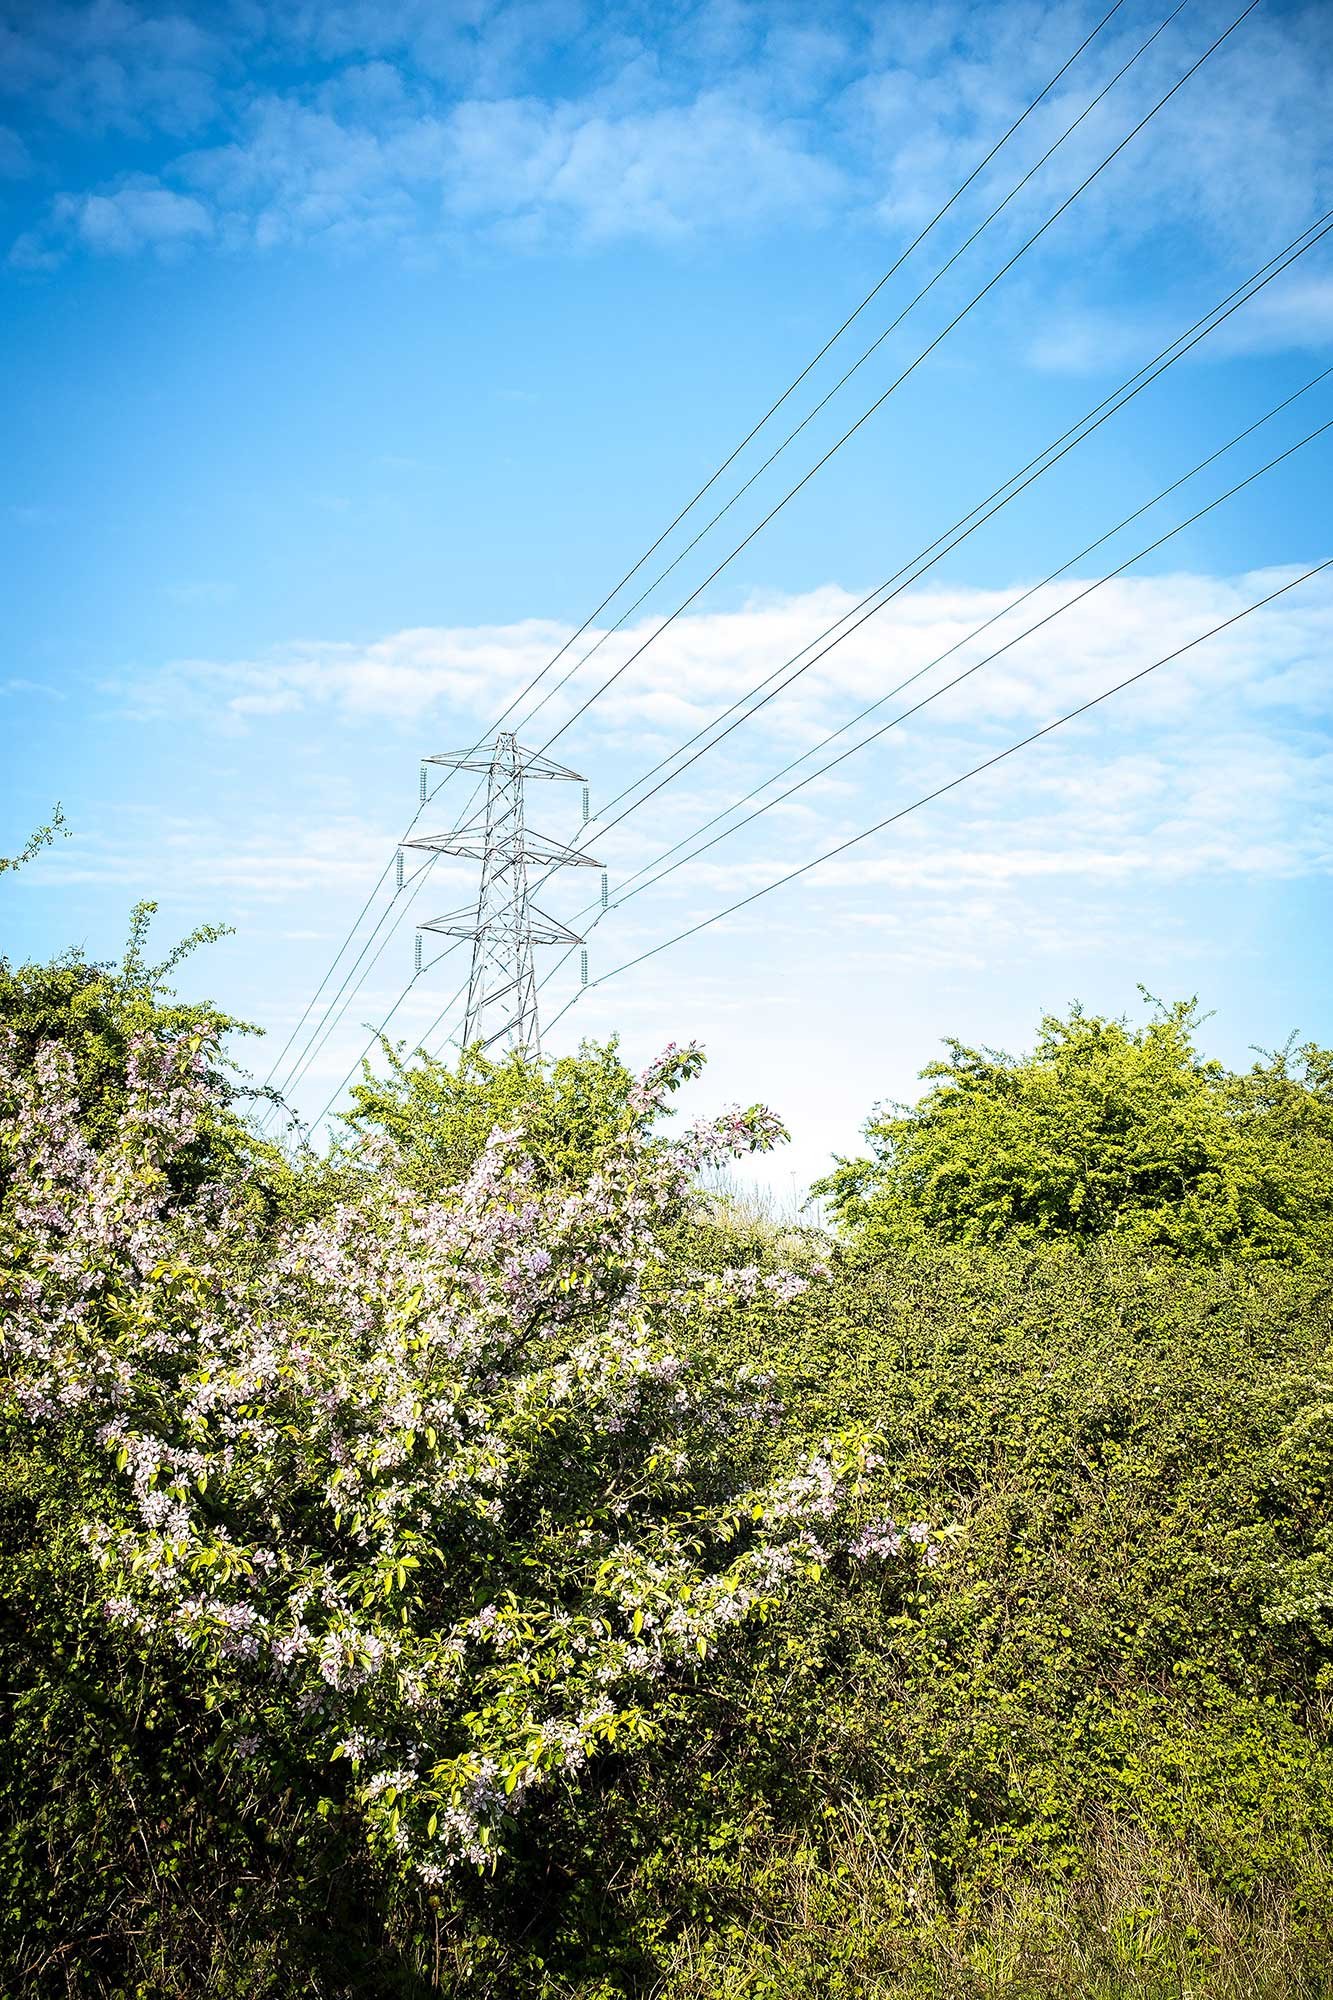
377,1034
944,544
1058,612
371,895
859,363
1000,496
794,668
1231,304
625,892
958,317
625,889
1101,412
712,479
987,764
810,365
335,1011
1171,16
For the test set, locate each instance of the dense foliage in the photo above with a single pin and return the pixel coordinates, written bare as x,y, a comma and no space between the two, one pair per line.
1091,1753
476,1562
1104,1130
439,1118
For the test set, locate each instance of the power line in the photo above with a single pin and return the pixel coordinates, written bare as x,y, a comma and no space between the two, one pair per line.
626,894
690,504
329,1018
809,368
1076,434
1008,646
334,1013
967,524
447,1009
925,352
1066,442
338,1006
377,1034
927,798
860,361
374,891
1100,413
991,283
983,627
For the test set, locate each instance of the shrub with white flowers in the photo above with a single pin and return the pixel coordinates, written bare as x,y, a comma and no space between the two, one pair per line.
436,1493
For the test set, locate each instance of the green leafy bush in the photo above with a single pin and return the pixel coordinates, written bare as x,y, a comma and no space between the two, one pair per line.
439,1118
1104,1130
1089,1752
305,1455
400,1514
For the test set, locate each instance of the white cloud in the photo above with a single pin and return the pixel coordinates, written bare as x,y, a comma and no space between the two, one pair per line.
132,219
693,669
293,173
522,165
138,215
1295,312
1217,768
707,164
269,863
114,67
410,123
17,685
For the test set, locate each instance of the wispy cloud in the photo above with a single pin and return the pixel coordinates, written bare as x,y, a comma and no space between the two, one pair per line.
1296,311
412,125
269,864
114,67
16,685
428,676
132,219
1217,768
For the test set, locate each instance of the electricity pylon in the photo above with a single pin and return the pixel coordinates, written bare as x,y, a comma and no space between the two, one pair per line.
506,924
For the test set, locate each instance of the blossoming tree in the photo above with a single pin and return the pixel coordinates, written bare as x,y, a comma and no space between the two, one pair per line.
436,1494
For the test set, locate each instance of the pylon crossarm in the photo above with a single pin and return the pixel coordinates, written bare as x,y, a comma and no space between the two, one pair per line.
540,848
454,923
534,765
550,930
472,846
545,930
460,760
530,762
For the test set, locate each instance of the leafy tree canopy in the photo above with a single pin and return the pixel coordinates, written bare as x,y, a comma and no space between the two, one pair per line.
96,1012
1103,1130
439,1119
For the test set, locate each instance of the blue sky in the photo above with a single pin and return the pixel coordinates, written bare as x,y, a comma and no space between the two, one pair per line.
353,352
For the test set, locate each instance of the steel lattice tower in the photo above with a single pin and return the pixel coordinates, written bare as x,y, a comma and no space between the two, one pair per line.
506,924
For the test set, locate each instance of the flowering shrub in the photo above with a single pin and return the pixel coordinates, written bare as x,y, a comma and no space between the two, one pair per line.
427,1488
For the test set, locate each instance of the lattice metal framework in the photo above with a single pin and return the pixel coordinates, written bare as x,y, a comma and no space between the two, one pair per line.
506,923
